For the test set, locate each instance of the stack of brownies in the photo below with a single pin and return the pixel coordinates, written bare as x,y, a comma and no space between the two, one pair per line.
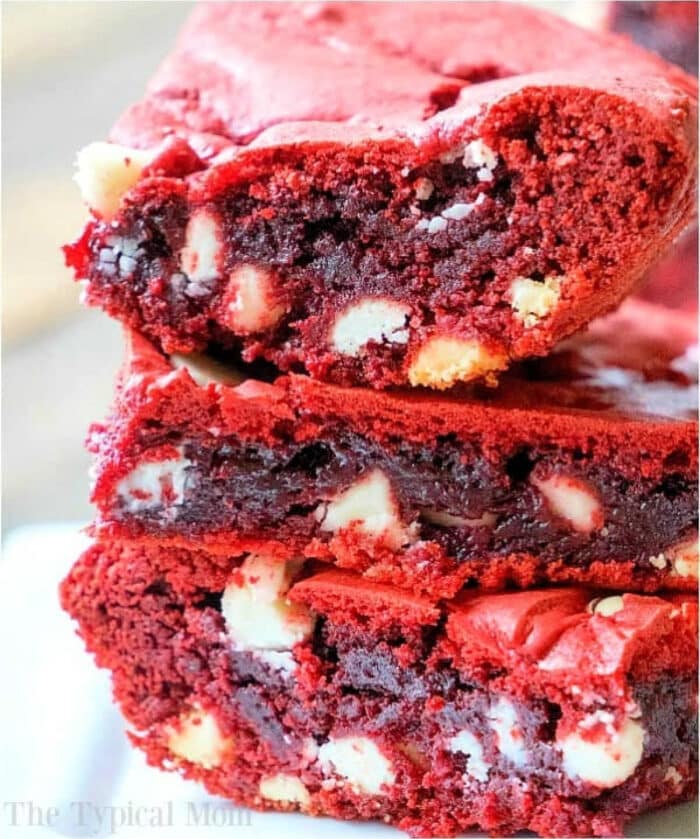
319,583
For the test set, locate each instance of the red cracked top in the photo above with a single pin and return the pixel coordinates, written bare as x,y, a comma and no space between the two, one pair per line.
558,630
545,631
388,64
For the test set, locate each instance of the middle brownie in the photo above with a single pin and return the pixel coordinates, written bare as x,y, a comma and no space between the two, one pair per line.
579,467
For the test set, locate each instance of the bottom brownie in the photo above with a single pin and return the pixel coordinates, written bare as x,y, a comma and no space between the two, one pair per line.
287,687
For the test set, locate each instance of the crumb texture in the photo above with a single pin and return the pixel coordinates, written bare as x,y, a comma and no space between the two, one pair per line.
532,710
578,468
487,194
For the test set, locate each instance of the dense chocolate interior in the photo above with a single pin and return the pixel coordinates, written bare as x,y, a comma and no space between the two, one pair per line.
395,684
259,490
340,229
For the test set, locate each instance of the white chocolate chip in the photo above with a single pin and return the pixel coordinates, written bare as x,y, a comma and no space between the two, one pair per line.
573,500
424,188
606,606
461,210
607,761
358,760
434,225
250,297
206,370
564,159
466,743
658,561
684,559
456,212
477,155
687,363
198,738
286,788
309,750
383,321
532,300
369,505
673,776
257,614
200,258
444,360
120,256
105,172
503,719
155,483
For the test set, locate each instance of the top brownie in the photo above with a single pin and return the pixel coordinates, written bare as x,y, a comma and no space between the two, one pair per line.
385,193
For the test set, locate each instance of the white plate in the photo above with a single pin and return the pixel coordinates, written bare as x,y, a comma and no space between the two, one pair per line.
62,744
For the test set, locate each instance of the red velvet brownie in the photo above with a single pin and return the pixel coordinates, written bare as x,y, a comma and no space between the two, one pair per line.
579,467
281,687
402,193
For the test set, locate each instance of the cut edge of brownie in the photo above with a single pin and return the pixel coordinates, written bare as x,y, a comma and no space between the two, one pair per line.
428,258
424,491
342,697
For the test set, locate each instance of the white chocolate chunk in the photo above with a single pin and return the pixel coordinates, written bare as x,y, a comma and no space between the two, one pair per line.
532,300
257,614
120,256
443,360
383,321
477,155
358,760
606,606
251,303
503,719
200,258
607,761
309,750
456,212
687,363
369,505
673,776
198,738
206,370
461,210
658,561
467,743
105,172
285,787
684,559
424,188
434,225
155,483
573,500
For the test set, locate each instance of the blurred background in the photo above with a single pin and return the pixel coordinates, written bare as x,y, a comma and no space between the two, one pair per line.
68,69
